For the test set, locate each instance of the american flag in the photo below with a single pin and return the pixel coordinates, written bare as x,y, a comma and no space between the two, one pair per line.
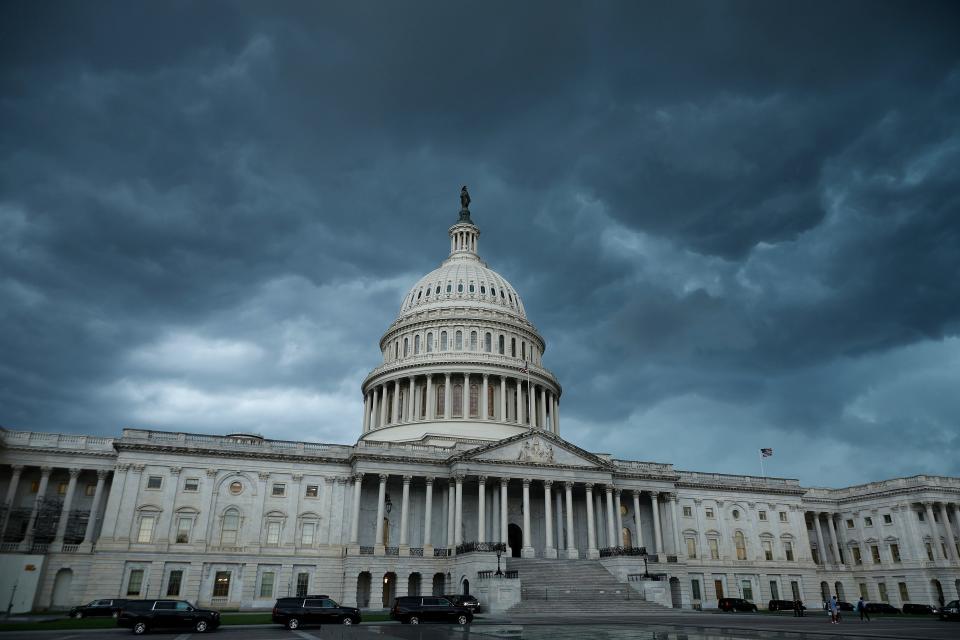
525,368
766,452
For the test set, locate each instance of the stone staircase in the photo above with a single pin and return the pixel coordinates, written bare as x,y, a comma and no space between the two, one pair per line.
584,586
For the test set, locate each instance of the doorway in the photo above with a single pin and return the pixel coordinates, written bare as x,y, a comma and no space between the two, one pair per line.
514,539
363,589
675,593
389,589
466,587
61,589
937,590
439,581
718,587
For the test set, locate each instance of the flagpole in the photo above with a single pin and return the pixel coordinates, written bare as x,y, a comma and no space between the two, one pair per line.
763,472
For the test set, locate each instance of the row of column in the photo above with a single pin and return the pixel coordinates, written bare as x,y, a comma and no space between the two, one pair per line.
906,523
45,472
614,517
382,405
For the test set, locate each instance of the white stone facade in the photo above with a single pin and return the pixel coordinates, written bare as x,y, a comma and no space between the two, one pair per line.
443,468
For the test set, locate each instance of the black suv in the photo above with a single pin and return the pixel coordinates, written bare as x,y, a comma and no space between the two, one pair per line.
465,600
881,607
417,609
108,607
143,615
783,605
920,608
293,613
735,604
950,611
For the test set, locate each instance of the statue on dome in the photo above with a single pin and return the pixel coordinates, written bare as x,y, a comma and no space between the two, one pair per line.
464,199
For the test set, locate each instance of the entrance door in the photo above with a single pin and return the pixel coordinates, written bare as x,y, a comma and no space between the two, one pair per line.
514,539
675,594
718,587
61,589
774,590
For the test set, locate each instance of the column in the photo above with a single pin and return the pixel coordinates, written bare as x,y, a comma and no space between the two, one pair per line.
451,514
65,511
865,556
935,537
618,516
484,401
571,544
446,398
355,519
611,538
657,534
429,410
543,408
404,510
482,509
556,415
503,401
560,520
833,539
10,502
458,518
592,552
531,403
366,412
527,550
378,546
495,516
548,549
519,402
676,524
87,545
951,540
599,519
427,519
383,404
413,395
41,494
396,401
638,540
503,509
821,548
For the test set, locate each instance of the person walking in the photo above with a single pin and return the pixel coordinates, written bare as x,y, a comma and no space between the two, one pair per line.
834,618
796,608
862,608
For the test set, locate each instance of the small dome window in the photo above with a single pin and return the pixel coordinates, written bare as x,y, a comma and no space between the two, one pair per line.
428,291
493,292
419,294
449,288
501,294
438,289
471,288
483,290
736,514
460,288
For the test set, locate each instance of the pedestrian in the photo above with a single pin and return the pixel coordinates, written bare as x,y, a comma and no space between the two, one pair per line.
796,608
834,618
803,610
862,608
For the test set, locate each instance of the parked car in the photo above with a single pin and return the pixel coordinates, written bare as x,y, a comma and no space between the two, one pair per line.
923,609
881,607
783,605
145,615
735,604
101,608
293,613
950,611
417,609
465,600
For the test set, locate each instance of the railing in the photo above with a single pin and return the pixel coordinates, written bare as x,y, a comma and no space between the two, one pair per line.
69,548
391,551
672,559
56,440
576,594
441,552
40,547
416,551
638,577
505,575
9,546
470,547
625,551
366,551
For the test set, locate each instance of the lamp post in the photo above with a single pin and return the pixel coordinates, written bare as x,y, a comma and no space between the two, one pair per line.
499,572
643,554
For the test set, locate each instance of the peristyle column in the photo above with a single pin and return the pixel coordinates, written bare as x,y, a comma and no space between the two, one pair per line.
427,516
527,550
657,534
41,495
618,512
65,510
548,549
636,519
571,545
482,509
611,538
404,509
378,545
355,519
87,543
458,518
503,509
592,551
11,497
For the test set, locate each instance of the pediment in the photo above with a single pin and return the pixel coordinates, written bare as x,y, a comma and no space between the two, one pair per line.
536,448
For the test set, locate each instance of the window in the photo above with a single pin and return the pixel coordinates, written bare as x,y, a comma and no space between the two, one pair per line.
875,553
709,512
714,549
474,400
154,482
513,347
35,486
471,288
882,588
183,530
221,584
904,594
762,515
90,489
688,512
406,345
736,514
774,590
499,348
191,484
460,288
135,582
416,344
266,584
307,533
457,401
273,533
741,543
788,550
887,518
695,589
443,341
173,582
747,589
795,589
783,516
62,488
857,559
487,342
236,487
429,342
229,528
849,523
691,547
868,521
313,490
473,341
441,399
767,550
279,490
863,591
303,584
483,290
919,514
145,533
458,340
929,552
895,552
936,516
490,401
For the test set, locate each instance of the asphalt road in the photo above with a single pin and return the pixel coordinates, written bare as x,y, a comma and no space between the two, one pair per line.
680,626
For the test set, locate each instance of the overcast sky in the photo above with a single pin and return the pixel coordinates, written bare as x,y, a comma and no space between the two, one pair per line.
737,225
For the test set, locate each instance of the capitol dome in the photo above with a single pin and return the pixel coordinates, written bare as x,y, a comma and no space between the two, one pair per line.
461,362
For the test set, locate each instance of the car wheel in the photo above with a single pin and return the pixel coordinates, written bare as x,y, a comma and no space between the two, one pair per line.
462,619
78,615
413,620
201,626
139,628
347,621
293,623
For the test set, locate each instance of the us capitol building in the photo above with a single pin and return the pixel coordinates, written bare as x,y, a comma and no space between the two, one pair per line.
460,456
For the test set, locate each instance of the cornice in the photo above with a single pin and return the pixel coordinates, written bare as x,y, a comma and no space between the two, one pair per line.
247,455
64,452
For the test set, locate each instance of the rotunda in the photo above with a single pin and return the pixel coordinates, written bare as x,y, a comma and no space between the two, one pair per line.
461,363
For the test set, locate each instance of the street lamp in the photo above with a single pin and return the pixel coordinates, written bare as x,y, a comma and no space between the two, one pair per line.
499,572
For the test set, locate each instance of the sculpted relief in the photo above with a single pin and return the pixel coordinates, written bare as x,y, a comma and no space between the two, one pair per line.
536,451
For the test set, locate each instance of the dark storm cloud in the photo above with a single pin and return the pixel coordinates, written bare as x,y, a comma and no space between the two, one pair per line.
738,222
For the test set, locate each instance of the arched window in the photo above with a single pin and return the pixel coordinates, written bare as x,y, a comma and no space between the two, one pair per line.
430,342
460,288
500,345
741,545
449,287
493,291
483,290
458,340
427,292
416,344
405,346
423,402
523,350
457,401
513,347
230,528
443,341
474,400
471,288
487,342
490,401
473,341
441,395
396,350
